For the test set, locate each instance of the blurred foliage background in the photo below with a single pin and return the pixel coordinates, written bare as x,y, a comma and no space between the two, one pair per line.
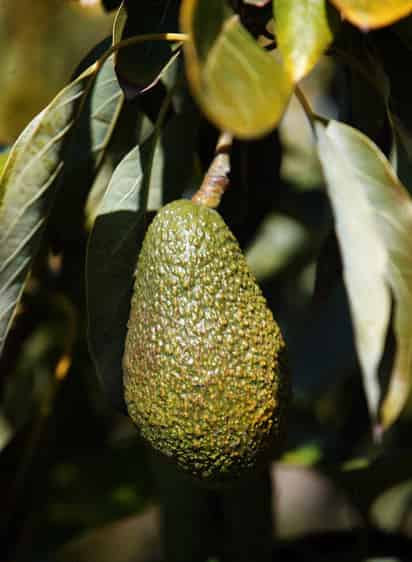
75,479
42,43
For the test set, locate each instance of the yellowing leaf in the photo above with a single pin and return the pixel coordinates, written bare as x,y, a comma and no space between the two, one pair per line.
373,216
241,87
368,14
303,33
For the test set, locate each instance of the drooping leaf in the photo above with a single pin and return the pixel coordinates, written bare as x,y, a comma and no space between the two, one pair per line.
119,24
373,215
241,87
140,66
368,14
106,101
86,150
111,258
132,127
303,32
97,120
29,184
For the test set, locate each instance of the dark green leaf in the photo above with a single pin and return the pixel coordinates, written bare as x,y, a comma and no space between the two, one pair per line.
175,169
29,185
139,67
111,259
241,87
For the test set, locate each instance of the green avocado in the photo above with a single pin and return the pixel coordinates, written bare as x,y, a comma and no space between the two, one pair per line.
203,363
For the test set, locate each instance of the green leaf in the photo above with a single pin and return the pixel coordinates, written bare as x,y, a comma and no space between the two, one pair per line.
96,122
303,33
132,128
106,102
86,150
368,14
29,185
111,259
241,87
373,216
119,24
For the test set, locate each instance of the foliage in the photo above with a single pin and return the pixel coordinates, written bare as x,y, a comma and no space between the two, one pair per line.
135,129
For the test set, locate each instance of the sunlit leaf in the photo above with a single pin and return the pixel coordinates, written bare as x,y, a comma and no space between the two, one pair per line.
241,87
368,14
119,24
29,185
373,215
106,101
132,128
94,128
303,33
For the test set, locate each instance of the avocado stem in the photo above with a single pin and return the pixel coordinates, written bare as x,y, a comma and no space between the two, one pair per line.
216,180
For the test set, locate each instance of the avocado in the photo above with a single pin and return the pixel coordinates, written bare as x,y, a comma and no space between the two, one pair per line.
203,355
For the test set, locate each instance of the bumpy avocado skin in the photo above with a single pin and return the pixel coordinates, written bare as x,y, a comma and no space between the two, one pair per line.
203,353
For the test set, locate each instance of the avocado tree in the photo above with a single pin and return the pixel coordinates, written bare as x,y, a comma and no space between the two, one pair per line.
191,99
